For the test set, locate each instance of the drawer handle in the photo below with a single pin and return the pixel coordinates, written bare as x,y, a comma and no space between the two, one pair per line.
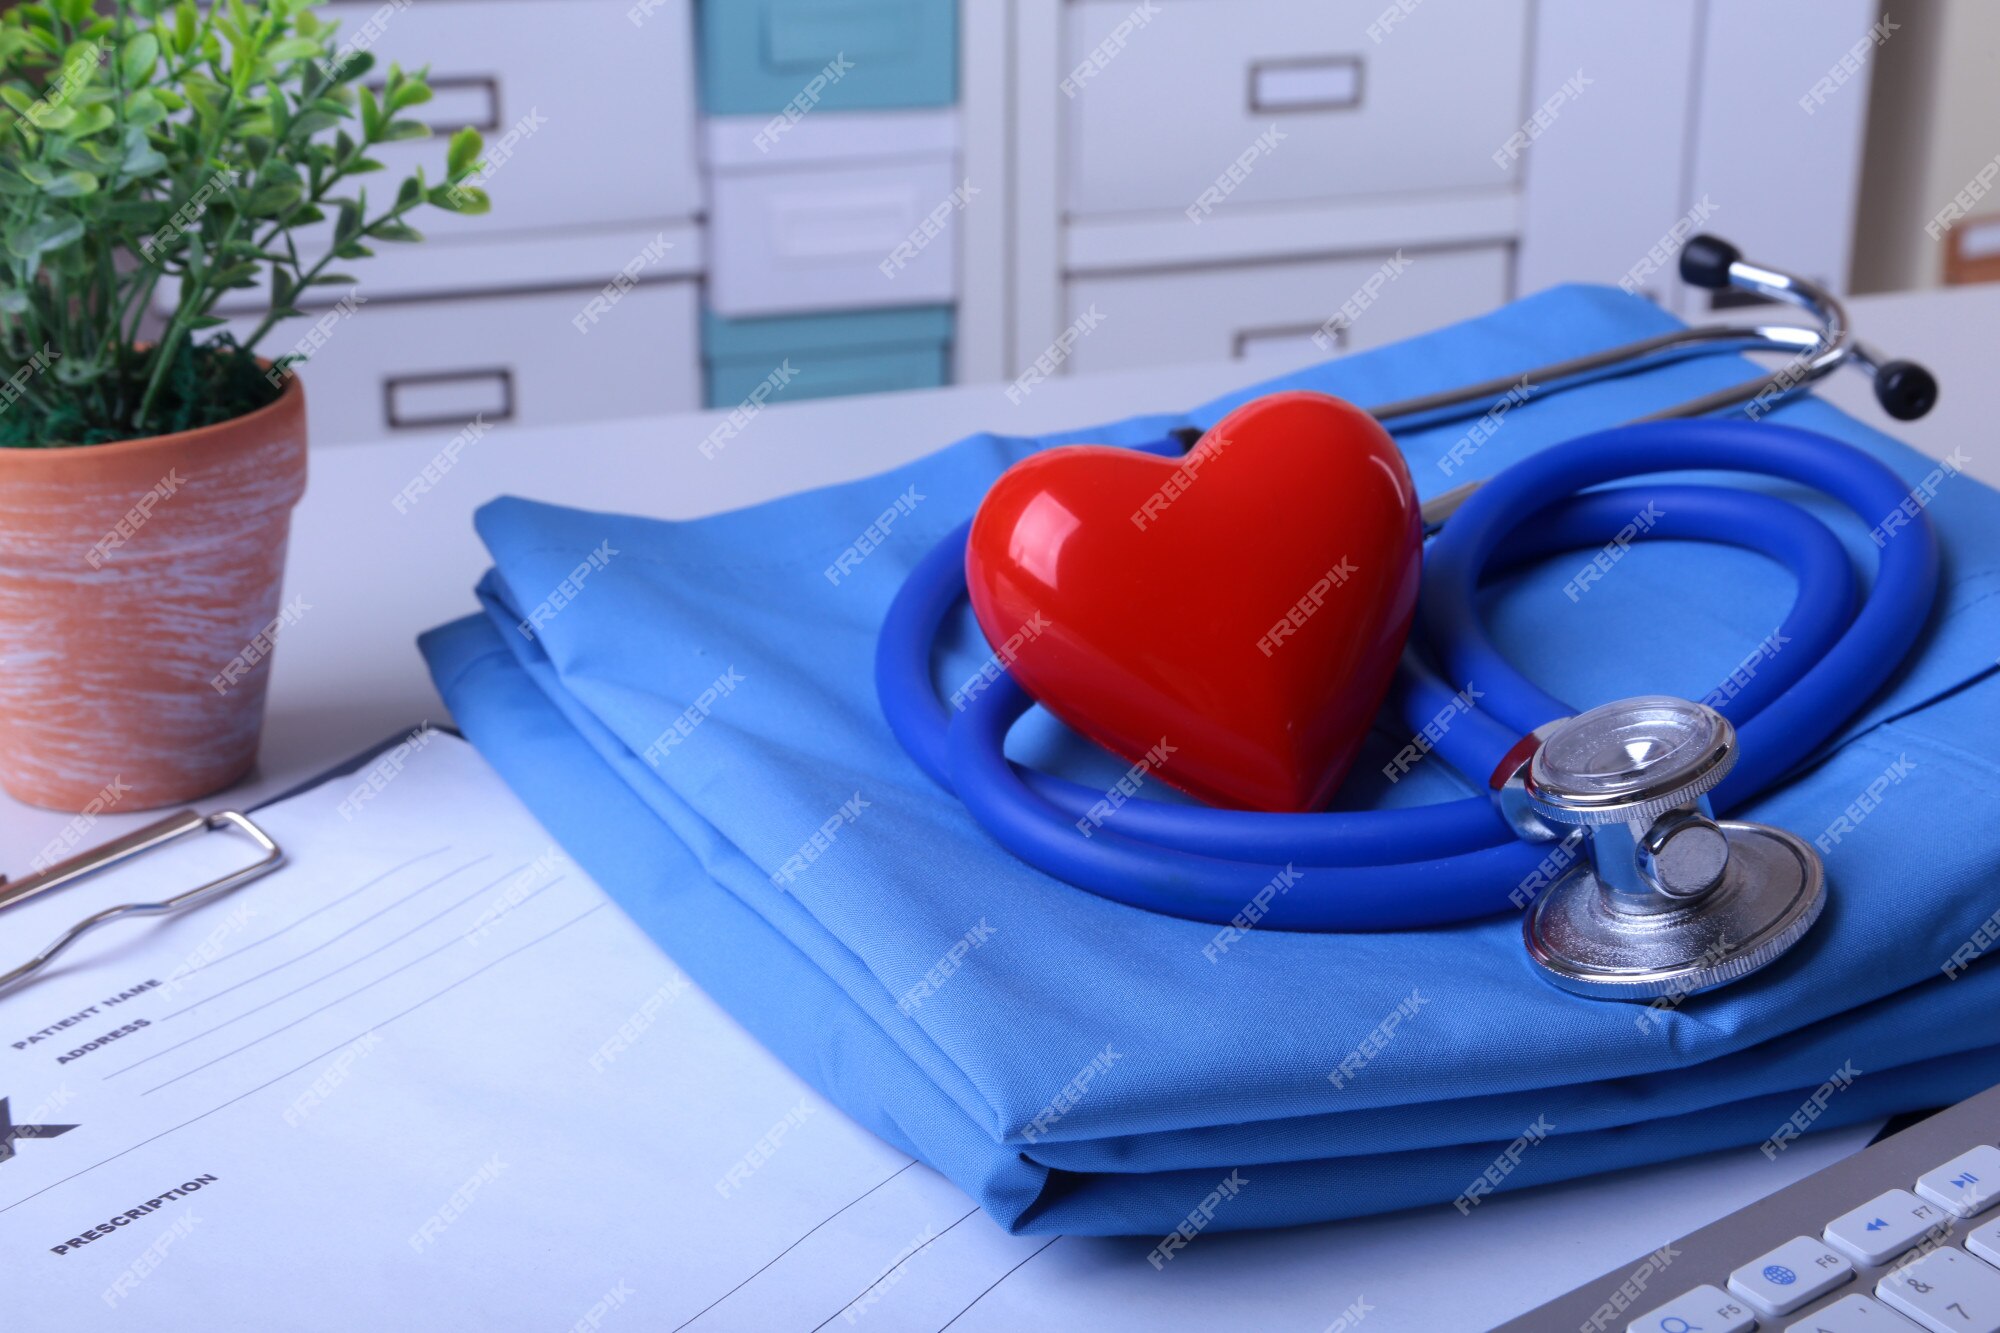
1334,331
416,402
457,100
1972,250
1307,83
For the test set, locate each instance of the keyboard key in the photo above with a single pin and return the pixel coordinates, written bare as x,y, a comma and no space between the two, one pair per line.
1967,1185
1800,1270
1985,1242
1946,1291
1709,1309
1854,1314
1884,1227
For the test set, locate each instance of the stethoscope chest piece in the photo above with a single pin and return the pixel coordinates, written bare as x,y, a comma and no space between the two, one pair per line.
1668,900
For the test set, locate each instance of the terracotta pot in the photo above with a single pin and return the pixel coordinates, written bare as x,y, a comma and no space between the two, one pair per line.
139,599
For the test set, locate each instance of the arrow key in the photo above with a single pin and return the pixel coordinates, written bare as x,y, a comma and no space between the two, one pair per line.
1884,1227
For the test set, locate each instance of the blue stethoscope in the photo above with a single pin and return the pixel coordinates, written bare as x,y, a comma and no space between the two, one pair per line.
1601,826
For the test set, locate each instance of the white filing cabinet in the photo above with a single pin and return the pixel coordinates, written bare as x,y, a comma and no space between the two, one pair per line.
590,132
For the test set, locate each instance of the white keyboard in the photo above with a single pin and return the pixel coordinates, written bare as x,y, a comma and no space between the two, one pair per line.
1903,1237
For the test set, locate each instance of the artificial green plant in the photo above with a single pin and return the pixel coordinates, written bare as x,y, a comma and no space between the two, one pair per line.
155,155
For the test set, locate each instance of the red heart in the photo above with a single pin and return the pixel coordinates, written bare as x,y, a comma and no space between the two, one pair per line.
1246,604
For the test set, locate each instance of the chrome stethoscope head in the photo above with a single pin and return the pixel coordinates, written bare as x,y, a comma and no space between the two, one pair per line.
1667,900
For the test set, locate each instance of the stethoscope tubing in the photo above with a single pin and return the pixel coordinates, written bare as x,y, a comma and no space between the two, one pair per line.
1407,867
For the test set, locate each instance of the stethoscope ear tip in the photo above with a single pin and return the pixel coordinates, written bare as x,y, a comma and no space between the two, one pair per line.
1905,389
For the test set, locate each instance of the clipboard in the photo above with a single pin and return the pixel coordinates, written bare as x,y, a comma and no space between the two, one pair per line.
161,832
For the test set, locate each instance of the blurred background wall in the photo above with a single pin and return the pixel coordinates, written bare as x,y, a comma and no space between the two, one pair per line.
713,202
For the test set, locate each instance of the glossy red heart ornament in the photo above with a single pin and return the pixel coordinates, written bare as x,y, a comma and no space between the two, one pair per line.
1246,604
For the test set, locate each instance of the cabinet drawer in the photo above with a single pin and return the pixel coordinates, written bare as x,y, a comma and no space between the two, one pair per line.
1159,112
385,367
588,118
758,55
1269,313
857,211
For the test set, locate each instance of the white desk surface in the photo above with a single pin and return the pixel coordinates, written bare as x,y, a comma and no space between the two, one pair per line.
348,673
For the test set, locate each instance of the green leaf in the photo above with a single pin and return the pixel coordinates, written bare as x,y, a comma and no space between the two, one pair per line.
409,192
293,48
40,237
272,200
142,159
71,185
200,322
394,231
371,116
409,94
138,58
406,129
347,223
185,19
463,154
467,199
333,280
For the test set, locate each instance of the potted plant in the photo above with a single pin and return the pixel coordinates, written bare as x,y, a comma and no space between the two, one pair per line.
152,158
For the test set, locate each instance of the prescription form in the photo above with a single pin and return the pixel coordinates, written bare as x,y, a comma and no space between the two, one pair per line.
427,1075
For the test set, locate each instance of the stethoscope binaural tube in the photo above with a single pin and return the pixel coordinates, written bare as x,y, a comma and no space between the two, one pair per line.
1401,868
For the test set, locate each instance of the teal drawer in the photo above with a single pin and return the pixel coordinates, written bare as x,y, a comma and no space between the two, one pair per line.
758,55
829,355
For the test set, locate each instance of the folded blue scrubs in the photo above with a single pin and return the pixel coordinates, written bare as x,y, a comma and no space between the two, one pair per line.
695,721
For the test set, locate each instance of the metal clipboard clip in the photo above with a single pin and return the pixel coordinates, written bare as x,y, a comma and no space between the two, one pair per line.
136,843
